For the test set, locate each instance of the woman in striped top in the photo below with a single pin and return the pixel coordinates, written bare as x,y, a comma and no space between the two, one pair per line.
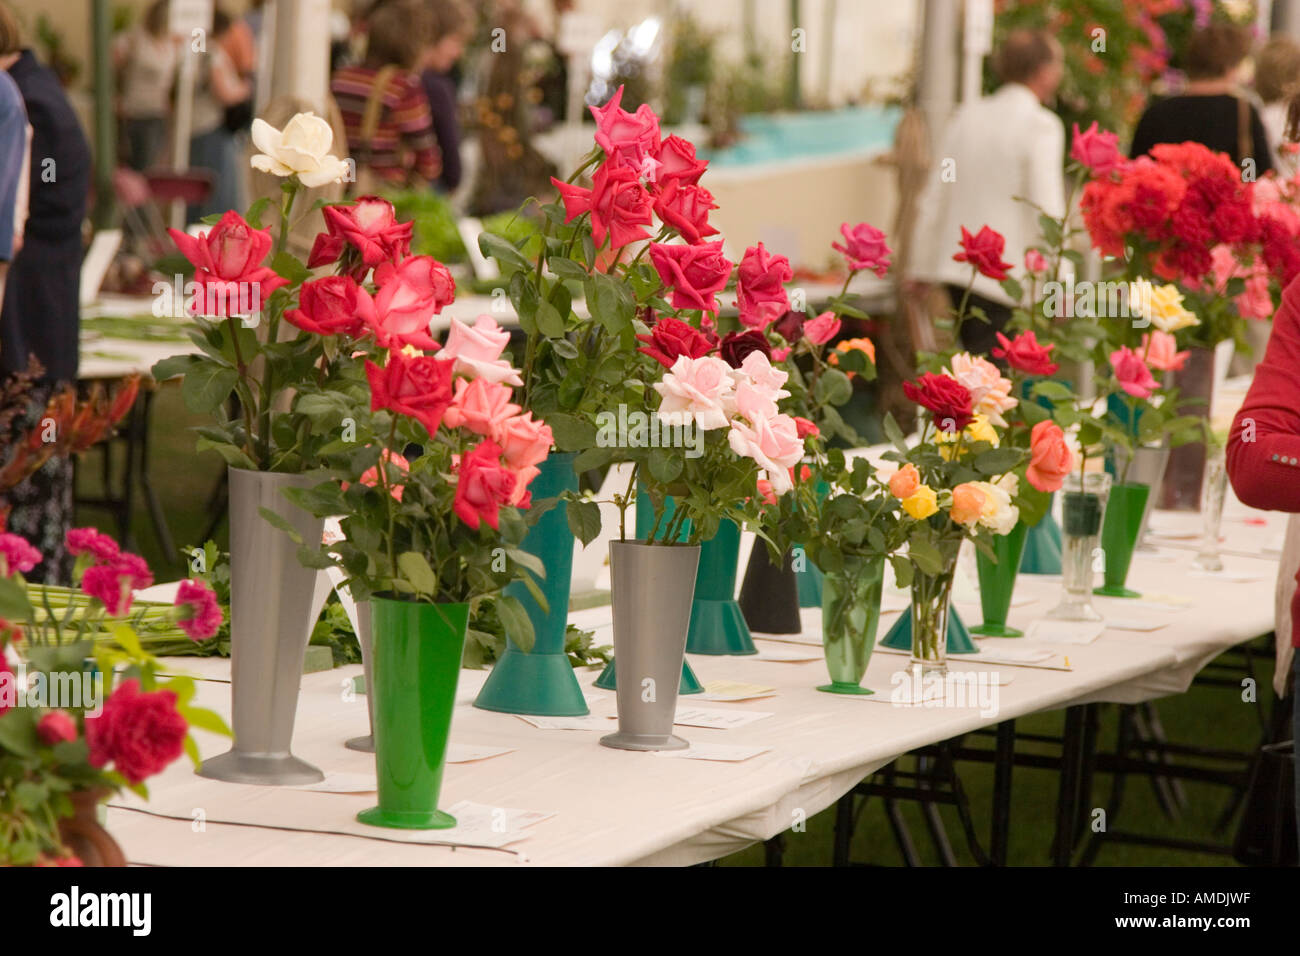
403,151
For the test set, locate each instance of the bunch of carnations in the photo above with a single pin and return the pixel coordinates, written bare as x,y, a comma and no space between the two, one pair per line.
121,722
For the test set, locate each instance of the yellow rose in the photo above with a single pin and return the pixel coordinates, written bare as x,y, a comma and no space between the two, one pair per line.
921,503
1162,305
980,429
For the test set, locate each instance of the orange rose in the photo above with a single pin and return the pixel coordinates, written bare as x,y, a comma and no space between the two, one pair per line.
967,504
1050,458
904,482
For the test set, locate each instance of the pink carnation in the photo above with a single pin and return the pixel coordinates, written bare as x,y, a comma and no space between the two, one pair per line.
81,541
203,618
16,555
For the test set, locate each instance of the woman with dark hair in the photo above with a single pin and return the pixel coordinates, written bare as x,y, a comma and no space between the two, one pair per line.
40,317
1264,454
1211,110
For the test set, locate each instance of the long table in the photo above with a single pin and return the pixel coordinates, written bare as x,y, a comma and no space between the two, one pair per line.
614,807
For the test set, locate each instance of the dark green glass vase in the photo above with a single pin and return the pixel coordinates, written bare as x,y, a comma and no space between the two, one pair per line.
997,578
417,654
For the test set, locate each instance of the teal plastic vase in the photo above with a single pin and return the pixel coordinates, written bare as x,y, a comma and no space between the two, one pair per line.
1119,534
690,684
542,681
1042,547
417,649
998,582
959,640
717,626
808,577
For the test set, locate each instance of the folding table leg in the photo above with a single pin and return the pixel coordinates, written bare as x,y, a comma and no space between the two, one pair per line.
1068,789
844,821
1003,765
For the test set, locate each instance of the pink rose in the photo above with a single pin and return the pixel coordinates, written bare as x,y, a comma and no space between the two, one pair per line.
628,139
1036,262
1256,302
409,296
618,203
703,388
822,329
370,226
1161,351
328,306
483,486
864,248
481,406
476,351
990,392
760,287
1132,373
685,209
757,368
677,163
418,387
773,444
56,727
16,555
141,733
228,265
806,427
524,441
371,478
202,613
695,274
1099,151
983,250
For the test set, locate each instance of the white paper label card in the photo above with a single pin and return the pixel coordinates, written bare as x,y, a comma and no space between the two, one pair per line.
724,752
1134,624
565,723
1065,632
717,718
734,690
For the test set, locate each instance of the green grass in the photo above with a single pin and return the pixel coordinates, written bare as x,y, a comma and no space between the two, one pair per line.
1208,716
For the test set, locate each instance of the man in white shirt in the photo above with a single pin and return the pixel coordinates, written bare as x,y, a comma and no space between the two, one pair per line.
996,148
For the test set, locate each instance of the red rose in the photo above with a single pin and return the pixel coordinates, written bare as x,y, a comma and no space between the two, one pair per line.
737,345
483,486
760,287
228,265
686,209
140,733
628,139
328,306
1234,222
1025,354
948,400
56,726
694,273
370,226
410,294
864,248
1097,150
618,203
790,325
804,428
418,386
671,338
984,251
677,163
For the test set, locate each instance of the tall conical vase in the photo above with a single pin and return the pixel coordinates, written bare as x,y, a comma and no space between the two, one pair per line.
650,590
366,743
717,626
541,681
417,654
270,625
931,602
769,595
997,577
1181,489
850,617
808,577
1119,536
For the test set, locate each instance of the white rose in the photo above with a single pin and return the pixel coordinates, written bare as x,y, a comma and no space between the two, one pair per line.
998,513
302,149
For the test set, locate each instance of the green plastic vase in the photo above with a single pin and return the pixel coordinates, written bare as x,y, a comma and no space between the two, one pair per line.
1042,547
417,649
542,681
850,617
998,581
1119,534
717,626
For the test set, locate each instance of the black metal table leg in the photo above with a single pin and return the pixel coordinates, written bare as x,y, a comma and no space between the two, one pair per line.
1003,765
1068,790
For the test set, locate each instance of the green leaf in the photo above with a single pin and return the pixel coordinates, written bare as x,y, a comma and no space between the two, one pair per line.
290,267
207,386
584,520
570,432
205,719
833,388
502,250
894,433
281,522
997,461
925,556
549,321
666,464
169,368
234,456
518,626
415,568
566,268
18,733
14,605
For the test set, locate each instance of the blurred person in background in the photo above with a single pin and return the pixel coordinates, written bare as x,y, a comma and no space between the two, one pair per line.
217,87
1211,110
240,46
384,106
40,316
1005,145
452,24
145,58
15,143
1277,77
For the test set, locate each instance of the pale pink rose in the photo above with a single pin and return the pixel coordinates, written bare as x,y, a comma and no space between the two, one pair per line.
821,329
754,402
773,444
524,441
1161,351
1256,302
1035,262
990,392
481,406
764,375
702,388
477,350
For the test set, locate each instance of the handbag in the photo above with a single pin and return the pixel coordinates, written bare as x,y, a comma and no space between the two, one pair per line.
1266,835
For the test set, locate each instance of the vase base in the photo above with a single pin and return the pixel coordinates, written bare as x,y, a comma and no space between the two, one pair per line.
540,684
1116,590
266,770
621,741
406,819
689,684
928,668
365,745
996,630
841,687
1074,612
717,628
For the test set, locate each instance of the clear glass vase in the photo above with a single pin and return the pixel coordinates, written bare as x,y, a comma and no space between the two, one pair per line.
1083,505
931,598
1213,491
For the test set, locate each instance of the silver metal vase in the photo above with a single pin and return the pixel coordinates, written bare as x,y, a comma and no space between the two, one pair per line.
270,625
365,744
651,587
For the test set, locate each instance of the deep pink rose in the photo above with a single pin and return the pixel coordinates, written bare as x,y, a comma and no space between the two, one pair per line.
1025,354
483,486
56,727
329,306
1035,262
202,614
1132,373
677,163
984,251
864,248
93,542
228,265
113,583
618,203
822,329
671,337
370,226
418,386
686,209
628,139
760,287
695,274
409,296
1097,150
139,733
